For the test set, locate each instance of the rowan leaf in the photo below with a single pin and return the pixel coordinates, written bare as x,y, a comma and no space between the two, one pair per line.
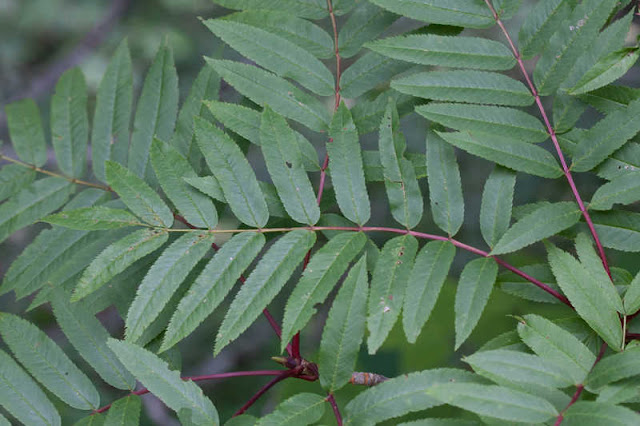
70,123
14,177
156,111
138,196
446,51
213,284
263,87
93,218
25,130
365,23
347,171
591,413
184,397
124,412
48,363
445,188
300,410
497,199
631,299
388,288
540,24
264,283
606,70
367,72
613,368
163,279
618,230
234,174
465,86
116,258
429,272
324,270
112,116
312,9
463,13
344,329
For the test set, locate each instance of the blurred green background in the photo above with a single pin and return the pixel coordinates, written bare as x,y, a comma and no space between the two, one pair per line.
43,36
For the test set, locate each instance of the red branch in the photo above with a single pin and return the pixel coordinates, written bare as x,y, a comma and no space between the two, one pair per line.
554,139
336,411
285,374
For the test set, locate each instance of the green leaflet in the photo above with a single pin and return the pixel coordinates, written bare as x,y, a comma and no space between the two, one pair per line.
212,285
156,111
70,123
518,286
538,225
425,282
513,154
373,171
388,288
540,24
368,113
631,299
557,345
305,34
405,198
300,410
366,22
234,174
205,86
590,413
344,329
618,230
116,258
457,52
474,288
48,363
494,401
163,279
110,132
465,86
284,163
401,395
613,368
207,185
263,87
508,122
518,367
170,168
32,203
586,295
606,136
124,412
367,72
325,268
347,172
618,393
246,122
25,130
610,98
14,177
570,41
242,420
445,188
275,53
22,397
93,218
89,337
497,200
138,196
606,70
567,110
154,373
312,9
463,13
623,161
264,283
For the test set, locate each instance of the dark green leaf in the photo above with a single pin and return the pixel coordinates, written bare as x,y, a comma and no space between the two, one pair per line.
538,225
347,173
93,218
465,86
207,185
463,13
25,129
300,410
124,412
427,277
156,111
445,188
313,9
474,288
632,296
138,196
618,230
567,110
367,72
70,123
14,177
497,199
264,283
234,173
116,258
540,24
344,330
589,413
610,98
608,69
213,284
388,288
48,363
366,23
318,279
110,132
614,367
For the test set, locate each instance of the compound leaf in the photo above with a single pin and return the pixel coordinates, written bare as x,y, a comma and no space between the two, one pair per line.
93,218
497,200
540,24
25,130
